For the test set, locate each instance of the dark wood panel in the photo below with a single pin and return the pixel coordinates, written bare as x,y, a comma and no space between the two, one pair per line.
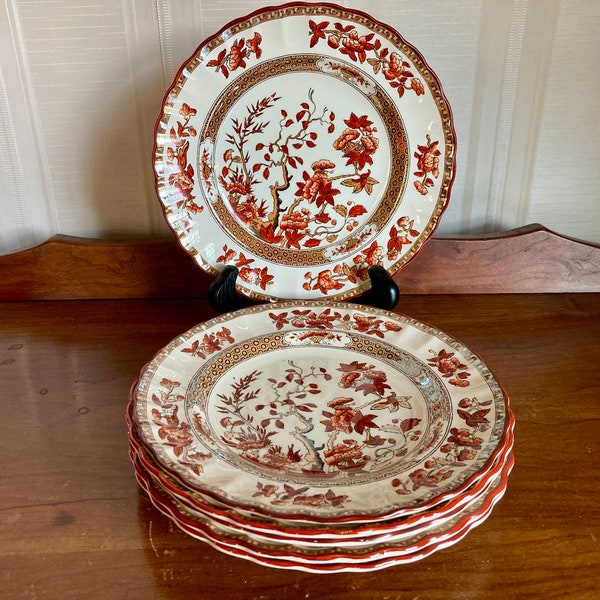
530,259
67,267
527,260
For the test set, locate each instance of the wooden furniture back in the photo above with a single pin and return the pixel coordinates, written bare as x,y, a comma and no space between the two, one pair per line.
530,259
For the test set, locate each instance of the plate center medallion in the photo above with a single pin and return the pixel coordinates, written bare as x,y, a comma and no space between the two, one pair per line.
301,159
308,411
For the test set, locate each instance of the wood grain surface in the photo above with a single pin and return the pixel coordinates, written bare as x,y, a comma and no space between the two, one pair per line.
75,524
531,259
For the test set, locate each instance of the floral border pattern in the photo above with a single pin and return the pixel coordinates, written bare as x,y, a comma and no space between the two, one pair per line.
357,48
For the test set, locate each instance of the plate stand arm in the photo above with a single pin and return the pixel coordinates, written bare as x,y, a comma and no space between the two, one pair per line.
222,294
384,292
224,297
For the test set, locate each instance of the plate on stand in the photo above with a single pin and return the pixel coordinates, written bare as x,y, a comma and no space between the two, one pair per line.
304,144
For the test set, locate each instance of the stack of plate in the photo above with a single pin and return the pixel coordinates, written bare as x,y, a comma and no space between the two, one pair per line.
304,145
320,436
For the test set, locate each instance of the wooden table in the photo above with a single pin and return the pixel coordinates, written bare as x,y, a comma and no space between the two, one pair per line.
76,525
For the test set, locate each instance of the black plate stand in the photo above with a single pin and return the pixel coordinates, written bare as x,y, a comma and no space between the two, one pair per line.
223,296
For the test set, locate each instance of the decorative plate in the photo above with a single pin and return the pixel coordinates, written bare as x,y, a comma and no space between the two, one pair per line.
303,145
290,555
341,533
320,411
335,544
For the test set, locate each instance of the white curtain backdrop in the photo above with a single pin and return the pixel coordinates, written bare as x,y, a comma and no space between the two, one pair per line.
81,83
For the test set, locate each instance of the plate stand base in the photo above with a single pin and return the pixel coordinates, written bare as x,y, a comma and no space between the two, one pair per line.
224,297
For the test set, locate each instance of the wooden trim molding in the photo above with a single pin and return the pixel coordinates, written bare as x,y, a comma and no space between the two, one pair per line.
530,259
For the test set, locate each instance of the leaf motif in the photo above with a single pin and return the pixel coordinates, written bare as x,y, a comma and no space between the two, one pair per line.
364,421
357,210
312,243
193,348
376,64
393,407
409,424
353,183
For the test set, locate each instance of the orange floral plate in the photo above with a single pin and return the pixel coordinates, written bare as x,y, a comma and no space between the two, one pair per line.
321,412
304,144
289,555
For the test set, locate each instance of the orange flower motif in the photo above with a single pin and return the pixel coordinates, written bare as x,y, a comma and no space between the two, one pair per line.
466,454
325,283
363,323
248,212
236,187
348,379
257,276
187,111
448,364
237,55
395,67
294,221
182,181
254,44
342,419
428,159
349,135
374,254
420,188
210,344
313,185
417,86
249,275
347,452
206,170
322,165
333,41
391,326
464,437
428,165
178,436
315,500
355,43
369,143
